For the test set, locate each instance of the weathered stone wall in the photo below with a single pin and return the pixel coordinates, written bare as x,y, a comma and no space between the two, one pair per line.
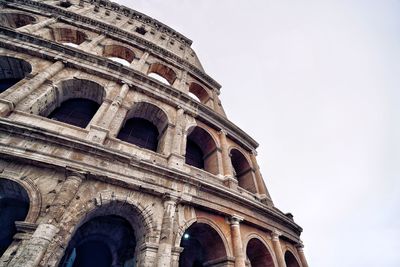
74,175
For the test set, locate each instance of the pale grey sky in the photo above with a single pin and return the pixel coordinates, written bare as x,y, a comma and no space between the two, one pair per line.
317,84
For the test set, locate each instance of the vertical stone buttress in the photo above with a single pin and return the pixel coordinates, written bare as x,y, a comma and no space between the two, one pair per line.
278,249
240,258
262,189
31,253
164,255
300,250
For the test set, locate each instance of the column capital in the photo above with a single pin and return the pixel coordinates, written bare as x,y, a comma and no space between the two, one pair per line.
170,197
222,131
72,172
235,219
300,246
276,234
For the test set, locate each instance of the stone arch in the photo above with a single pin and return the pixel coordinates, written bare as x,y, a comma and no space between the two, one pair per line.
14,206
217,252
68,35
75,101
201,149
16,19
108,203
199,91
116,51
163,71
145,126
258,252
243,171
290,259
12,70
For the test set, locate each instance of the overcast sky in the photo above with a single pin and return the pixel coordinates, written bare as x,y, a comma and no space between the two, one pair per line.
317,84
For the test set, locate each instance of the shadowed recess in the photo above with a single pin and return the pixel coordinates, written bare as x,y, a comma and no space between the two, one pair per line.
14,206
12,70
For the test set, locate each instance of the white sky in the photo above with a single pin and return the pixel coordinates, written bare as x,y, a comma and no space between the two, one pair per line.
317,84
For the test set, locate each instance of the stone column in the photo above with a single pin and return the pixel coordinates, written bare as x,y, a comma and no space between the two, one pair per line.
226,159
300,250
240,258
33,251
6,106
31,28
164,255
88,47
140,65
277,248
176,159
262,189
113,108
68,190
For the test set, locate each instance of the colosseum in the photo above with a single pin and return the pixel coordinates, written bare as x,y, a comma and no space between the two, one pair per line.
115,149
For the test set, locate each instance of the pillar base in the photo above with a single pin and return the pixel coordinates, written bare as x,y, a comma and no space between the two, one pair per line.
176,161
97,134
5,107
231,182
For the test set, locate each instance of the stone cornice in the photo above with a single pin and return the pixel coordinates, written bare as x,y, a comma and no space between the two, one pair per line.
112,31
39,158
114,71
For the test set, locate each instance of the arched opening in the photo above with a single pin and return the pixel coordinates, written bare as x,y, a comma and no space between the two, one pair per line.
15,20
202,246
12,70
290,260
199,92
120,54
145,126
258,254
243,171
75,111
14,206
201,150
102,241
158,71
69,36
78,101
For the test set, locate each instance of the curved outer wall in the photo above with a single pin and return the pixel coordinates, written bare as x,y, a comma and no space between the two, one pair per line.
56,52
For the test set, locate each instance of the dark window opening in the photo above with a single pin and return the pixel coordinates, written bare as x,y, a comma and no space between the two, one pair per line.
65,3
194,155
7,83
141,30
76,111
102,241
14,206
140,132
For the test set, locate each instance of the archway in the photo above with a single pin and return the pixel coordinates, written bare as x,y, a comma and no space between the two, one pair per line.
163,71
102,241
258,254
12,70
199,92
202,245
290,259
119,53
242,171
77,102
201,150
15,20
14,206
69,36
145,126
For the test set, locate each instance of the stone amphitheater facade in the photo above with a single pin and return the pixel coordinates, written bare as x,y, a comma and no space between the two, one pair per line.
115,149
